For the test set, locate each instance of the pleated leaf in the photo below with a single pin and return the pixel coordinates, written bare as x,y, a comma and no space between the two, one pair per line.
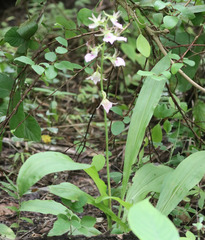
147,101
41,164
148,223
147,179
177,185
43,206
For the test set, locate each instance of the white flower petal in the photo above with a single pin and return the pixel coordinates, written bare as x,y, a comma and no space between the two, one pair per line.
122,39
109,37
106,104
116,23
89,57
119,62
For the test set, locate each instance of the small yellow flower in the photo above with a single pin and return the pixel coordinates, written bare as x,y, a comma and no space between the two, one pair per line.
46,138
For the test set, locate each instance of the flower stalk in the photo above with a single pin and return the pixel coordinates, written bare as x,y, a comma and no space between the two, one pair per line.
110,35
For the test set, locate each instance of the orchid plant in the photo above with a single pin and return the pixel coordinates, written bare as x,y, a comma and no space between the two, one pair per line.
111,30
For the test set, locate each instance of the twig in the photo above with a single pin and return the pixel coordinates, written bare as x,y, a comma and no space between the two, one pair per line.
186,45
191,45
156,39
183,115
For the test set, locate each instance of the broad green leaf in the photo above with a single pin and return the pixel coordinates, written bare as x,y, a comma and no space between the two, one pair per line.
167,74
6,84
28,29
158,17
17,120
32,131
148,178
126,120
67,65
98,161
27,220
68,191
25,127
143,46
89,70
116,176
50,56
92,172
33,44
43,206
170,21
145,3
129,50
177,185
6,232
13,37
83,16
61,50
199,113
88,221
62,41
117,110
86,231
167,126
175,67
38,69
117,127
68,24
41,164
159,5
145,73
197,8
189,236
60,226
162,111
189,62
186,12
70,34
147,100
51,72
148,223
156,133
25,60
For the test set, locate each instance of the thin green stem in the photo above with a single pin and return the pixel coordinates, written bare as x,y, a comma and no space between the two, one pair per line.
106,138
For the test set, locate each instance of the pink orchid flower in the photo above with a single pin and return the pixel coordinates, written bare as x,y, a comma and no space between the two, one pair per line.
118,62
90,56
113,18
95,77
111,38
96,21
107,104
114,21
